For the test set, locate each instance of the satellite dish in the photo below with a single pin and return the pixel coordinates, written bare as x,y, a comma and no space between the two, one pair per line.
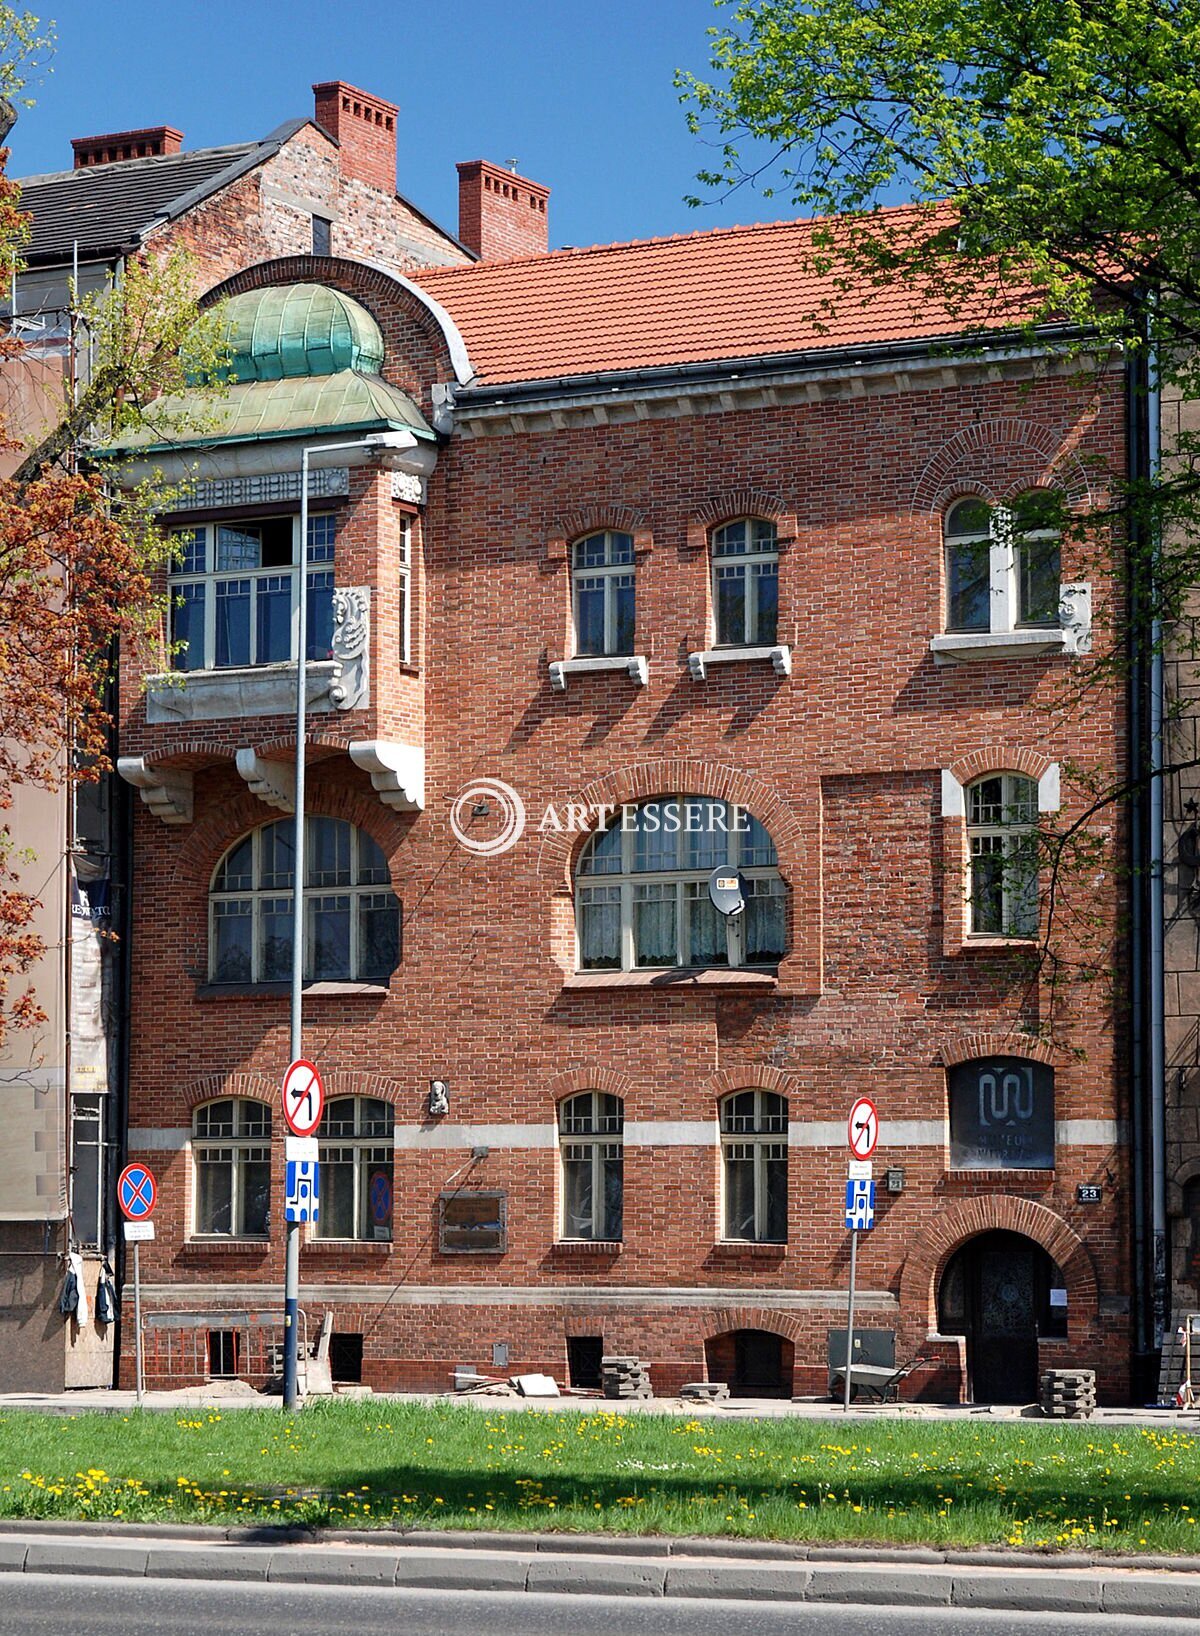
727,889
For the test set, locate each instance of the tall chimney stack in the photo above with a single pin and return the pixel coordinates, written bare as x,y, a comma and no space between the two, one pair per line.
364,127
501,214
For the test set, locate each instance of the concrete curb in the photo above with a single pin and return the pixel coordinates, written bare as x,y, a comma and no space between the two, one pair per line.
606,1568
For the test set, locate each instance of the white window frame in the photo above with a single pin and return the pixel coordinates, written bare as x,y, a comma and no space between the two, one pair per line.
1005,567
1005,833
761,1138
760,551
622,887
606,575
364,1149
405,587
236,1149
588,1124
259,900
204,536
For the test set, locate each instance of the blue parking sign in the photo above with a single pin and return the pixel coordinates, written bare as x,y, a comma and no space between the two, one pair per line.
302,1201
860,1205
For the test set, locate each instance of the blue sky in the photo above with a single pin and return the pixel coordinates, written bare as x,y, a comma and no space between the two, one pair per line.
579,92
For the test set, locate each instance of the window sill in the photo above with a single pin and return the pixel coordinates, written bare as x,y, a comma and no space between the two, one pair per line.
633,664
749,1246
270,991
960,647
987,942
679,977
349,1246
779,655
587,1246
225,1246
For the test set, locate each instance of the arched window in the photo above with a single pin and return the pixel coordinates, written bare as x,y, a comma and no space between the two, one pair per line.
642,897
352,918
1002,836
602,572
589,1129
745,565
754,1161
1003,563
231,1155
355,1153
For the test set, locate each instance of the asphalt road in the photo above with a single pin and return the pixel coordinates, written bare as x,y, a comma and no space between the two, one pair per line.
79,1605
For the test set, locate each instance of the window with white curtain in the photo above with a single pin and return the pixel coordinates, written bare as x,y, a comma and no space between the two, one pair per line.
642,897
231,1162
590,1126
352,917
355,1153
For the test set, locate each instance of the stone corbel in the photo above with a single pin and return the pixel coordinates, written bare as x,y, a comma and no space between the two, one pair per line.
397,772
167,791
349,645
269,780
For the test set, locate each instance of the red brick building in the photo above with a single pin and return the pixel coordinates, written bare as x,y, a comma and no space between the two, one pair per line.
656,549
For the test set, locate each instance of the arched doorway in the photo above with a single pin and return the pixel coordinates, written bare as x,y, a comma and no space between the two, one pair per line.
752,1362
1003,1292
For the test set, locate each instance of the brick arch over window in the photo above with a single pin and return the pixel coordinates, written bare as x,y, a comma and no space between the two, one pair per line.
967,1047
421,340
755,1076
577,525
722,1320
1188,1171
573,1080
996,1212
258,1088
654,779
734,503
1000,759
999,459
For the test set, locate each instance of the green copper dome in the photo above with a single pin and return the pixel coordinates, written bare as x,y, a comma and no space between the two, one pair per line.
296,330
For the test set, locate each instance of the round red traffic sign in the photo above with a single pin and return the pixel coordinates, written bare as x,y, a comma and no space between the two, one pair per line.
303,1097
136,1193
863,1128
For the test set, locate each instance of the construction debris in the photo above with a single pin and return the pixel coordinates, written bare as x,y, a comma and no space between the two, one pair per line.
705,1391
1068,1394
535,1385
624,1377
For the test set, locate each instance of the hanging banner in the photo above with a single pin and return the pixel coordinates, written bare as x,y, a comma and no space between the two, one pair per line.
91,920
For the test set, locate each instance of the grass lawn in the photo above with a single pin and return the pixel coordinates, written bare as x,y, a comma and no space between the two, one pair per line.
373,1463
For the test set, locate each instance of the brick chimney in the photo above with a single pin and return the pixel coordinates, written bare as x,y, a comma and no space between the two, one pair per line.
364,128
144,144
501,214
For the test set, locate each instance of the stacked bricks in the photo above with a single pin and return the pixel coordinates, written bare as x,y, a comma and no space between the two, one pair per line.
625,1377
1068,1394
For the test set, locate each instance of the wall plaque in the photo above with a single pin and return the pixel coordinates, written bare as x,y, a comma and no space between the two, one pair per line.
472,1223
1001,1115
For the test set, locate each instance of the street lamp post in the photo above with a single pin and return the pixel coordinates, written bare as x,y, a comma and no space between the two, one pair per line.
291,1265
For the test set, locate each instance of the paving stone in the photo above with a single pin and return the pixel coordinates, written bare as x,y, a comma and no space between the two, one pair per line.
462,1570
901,1587
1045,1590
307,1566
741,1580
217,1562
1150,1594
82,1557
12,1555
597,1578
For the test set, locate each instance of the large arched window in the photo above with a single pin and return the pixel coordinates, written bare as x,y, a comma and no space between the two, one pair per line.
1003,563
745,568
590,1127
231,1156
754,1154
352,918
642,896
1002,836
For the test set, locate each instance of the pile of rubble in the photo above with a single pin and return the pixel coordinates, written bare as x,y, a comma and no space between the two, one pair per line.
1068,1394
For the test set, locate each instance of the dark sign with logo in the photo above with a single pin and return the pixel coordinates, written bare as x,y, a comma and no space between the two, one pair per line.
472,1223
1001,1115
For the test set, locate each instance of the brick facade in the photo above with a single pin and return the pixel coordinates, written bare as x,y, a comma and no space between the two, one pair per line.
842,761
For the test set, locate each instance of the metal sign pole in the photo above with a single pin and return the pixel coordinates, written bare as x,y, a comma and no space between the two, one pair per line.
850,1319
291,1262
137,1317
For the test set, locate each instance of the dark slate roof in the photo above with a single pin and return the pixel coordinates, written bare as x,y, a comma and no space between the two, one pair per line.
103,208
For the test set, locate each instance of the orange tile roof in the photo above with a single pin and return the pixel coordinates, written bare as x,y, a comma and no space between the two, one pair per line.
733,293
